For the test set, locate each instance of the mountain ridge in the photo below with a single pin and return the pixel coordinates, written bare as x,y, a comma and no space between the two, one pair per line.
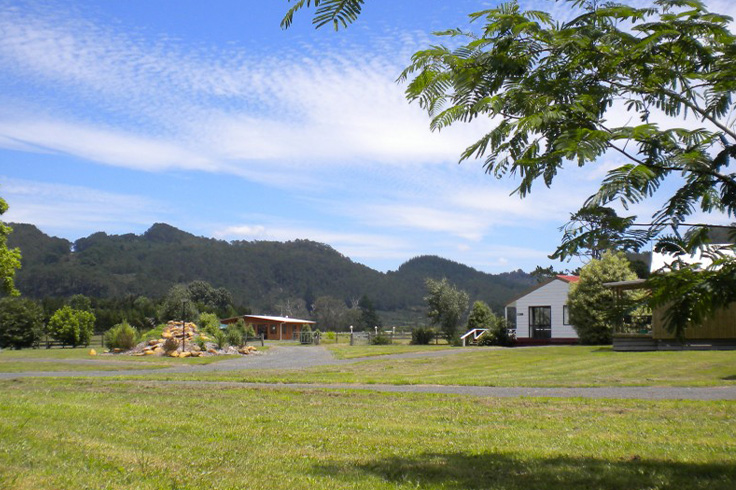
258,273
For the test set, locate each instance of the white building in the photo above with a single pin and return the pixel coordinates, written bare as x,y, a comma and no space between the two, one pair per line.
540,315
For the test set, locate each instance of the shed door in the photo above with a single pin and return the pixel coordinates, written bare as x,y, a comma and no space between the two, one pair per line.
540,322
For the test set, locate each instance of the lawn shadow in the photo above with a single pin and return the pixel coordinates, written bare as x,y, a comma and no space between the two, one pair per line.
729,378
510,472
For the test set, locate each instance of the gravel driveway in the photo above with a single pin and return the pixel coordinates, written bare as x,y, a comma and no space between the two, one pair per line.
300,357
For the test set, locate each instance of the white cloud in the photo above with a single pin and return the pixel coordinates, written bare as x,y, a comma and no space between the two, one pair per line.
66,209
354,245
103,146
212,109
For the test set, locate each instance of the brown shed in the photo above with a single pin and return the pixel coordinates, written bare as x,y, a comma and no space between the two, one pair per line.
273,327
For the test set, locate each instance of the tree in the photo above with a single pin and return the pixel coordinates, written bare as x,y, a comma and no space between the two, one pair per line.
21,322
9,258
331,313
447,305
593,308
72,327
80,302
550,87
368,316
480,316
178,302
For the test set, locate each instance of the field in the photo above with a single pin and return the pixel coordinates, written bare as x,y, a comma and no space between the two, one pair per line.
77,433
567,366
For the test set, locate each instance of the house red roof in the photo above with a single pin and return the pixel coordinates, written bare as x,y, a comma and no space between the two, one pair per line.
568,278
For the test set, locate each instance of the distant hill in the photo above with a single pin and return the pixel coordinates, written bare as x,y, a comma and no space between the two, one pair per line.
258,274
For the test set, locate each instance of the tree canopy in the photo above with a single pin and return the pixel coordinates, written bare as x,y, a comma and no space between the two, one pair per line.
556,92
9,257
594,308
446,306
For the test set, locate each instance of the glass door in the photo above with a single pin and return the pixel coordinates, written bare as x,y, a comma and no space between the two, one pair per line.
540,322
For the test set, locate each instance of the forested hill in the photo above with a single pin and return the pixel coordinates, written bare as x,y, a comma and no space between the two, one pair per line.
258,274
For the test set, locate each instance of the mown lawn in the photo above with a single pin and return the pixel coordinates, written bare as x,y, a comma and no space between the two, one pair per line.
79,359
102,434
347,351
566,366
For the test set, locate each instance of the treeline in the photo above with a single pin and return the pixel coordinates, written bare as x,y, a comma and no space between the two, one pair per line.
116,271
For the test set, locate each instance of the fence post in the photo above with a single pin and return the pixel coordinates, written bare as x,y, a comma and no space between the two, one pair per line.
262,344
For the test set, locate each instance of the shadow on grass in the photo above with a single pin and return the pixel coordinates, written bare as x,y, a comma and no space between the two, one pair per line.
507,472
729,378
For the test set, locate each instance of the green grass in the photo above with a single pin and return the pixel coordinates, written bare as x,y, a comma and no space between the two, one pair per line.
79,359
346,351
568,366
82,434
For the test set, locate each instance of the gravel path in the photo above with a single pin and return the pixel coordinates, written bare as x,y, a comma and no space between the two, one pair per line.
299,357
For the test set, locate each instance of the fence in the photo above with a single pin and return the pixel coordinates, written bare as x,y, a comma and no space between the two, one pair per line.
366,338
49,342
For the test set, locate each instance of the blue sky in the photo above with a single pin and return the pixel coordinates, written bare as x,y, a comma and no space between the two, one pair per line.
209,117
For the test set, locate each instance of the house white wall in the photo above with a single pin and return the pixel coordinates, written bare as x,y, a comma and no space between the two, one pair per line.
552,294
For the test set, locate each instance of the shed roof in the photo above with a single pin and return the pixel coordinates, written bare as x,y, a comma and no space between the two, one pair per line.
275,319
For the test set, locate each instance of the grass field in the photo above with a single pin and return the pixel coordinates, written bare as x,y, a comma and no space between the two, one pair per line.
347,351
79,359
102,434
540,366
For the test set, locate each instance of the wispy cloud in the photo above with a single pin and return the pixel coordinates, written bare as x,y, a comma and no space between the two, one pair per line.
61,209
356,245
210,108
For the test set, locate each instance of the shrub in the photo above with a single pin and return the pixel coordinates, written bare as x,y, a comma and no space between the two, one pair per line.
220,339
497,334
72,327
170,345
201,343
21,322
422,335
330,335
381,339
121,336
249,332
209,323
234,337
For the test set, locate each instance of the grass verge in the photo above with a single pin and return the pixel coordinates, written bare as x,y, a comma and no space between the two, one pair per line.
76,434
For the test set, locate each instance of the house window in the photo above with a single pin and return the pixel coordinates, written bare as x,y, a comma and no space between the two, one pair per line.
565,315
511,317
540,322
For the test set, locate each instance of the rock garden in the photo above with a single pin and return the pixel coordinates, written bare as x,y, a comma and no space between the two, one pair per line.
186,341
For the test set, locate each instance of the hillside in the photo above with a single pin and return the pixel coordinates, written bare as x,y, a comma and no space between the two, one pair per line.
258,274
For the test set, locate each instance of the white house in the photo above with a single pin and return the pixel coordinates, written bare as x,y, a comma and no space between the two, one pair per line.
540,315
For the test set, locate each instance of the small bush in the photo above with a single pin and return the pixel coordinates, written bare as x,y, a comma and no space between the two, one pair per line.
170,345
248,331
422,335
234,338
220,339
497,335
381,339
209,323
121,336
201,343
329,335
